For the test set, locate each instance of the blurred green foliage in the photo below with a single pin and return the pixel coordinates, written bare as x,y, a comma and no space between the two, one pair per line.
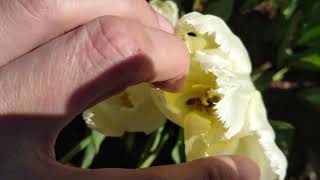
283,40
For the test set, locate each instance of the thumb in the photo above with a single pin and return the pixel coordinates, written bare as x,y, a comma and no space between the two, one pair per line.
21,159
215,168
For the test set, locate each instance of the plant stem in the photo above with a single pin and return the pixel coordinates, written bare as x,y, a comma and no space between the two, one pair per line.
74,151
196,5
151,156
292,28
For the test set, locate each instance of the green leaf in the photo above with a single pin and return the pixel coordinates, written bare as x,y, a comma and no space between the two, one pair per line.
221,8
284,134
88,157
289,10
279,76
312,96
262,81
309,35
178,153
196,5
307,62
92,149
292,27
155,144
76,150
151,146
281,125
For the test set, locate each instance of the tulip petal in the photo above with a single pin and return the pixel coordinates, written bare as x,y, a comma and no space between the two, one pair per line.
132,110
259,125
167,8
236,121
228,42
204,138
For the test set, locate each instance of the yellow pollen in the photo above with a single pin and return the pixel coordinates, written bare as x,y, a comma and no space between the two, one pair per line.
206,100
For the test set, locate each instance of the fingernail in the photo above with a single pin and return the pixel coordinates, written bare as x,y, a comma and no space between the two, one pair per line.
165,24
172,85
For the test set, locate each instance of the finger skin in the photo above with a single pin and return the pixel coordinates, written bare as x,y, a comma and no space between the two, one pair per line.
41,166
92,62
27,24
23,159
214,168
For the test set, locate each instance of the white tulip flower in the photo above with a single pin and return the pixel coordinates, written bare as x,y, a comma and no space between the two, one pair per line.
220,110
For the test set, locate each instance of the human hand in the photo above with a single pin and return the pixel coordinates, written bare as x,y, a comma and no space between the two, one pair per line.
48,76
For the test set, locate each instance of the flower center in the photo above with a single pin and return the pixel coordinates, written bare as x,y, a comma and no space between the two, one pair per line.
206,100
125,100
196,42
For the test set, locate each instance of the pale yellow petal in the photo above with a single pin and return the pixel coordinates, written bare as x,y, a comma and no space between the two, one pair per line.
167,8
223,36
131,111
265,136
219,108
176,106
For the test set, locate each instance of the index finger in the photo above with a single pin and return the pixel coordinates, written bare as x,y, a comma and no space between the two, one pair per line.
28,24
98,60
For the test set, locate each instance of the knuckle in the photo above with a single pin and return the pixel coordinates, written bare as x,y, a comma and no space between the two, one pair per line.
108,42
122,36
112,40
112,34
97,47
90,48
130,44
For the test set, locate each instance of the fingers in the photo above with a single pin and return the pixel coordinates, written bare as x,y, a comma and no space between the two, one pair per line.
92,62
215,168
225,167
26,24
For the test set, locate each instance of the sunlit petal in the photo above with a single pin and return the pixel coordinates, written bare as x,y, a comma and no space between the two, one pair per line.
220,110
130,111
